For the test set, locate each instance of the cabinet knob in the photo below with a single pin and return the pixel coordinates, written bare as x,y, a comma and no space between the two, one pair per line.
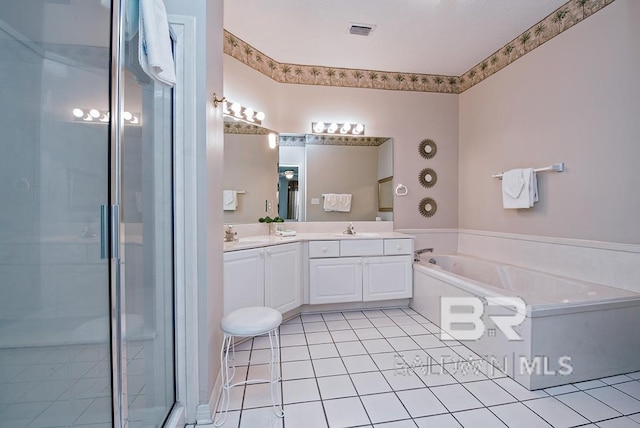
268,252
324,249
398,247
366,262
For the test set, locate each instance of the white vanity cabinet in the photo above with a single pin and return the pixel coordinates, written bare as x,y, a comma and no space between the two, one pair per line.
335,280
243,279
267,276
386,278
282,279
356,270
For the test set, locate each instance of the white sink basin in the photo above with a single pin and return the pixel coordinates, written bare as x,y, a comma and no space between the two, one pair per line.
255,240
358,235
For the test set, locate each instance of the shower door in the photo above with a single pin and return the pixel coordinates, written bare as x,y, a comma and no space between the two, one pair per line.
86,233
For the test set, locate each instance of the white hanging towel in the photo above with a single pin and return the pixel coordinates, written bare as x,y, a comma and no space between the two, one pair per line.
154,53
519,188
330,202
229,200
344,202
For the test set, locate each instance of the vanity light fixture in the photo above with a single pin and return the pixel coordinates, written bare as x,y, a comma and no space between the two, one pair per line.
94,115
345,128
272,140
239,112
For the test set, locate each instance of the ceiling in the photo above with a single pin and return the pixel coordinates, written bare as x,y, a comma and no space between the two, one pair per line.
446,37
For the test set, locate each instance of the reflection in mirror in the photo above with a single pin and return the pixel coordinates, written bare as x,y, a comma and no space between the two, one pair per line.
385,194
250,177
336,165
288,192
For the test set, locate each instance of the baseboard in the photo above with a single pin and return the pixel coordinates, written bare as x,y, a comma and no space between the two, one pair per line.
205,413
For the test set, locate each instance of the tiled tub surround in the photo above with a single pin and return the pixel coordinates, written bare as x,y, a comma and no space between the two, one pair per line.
612,264
590,327
370,369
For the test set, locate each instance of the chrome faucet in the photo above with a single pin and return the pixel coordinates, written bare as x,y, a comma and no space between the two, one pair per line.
350,229
230,235
416,253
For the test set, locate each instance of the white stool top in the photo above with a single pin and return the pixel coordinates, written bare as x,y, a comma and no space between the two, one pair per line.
251,321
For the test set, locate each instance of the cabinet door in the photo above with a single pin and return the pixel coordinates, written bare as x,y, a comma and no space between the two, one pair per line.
243,279
282,284
335,280
387,278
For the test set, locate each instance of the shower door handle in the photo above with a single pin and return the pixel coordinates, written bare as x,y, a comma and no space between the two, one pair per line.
109,216
104,231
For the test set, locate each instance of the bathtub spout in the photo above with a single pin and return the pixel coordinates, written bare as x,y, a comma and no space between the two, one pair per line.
416,253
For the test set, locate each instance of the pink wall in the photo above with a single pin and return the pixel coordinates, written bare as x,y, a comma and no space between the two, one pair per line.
576,100
407,117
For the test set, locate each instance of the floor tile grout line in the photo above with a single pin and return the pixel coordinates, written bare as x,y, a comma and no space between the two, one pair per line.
324,411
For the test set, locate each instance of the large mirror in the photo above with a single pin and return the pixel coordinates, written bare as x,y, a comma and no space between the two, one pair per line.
302,178
336,165
250,178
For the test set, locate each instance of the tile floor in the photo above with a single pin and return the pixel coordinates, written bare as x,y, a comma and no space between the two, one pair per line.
367,369
62,386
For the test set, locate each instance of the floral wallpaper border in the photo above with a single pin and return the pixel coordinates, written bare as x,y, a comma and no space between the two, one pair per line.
563,18
330,140
239,127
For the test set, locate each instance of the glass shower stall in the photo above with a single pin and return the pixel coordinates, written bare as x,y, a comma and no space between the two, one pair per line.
86,220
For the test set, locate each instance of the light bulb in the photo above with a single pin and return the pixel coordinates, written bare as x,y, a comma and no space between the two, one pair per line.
77,112
127,115
87,118
358,129
318,127
94,113
104,118
260,116
332,128
248,113
345,128
288,174
236,107
272,140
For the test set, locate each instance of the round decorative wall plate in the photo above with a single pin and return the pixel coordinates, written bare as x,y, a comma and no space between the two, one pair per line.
427,148
427,207
427,178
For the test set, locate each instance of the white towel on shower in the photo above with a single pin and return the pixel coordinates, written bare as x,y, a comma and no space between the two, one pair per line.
154,53
519,188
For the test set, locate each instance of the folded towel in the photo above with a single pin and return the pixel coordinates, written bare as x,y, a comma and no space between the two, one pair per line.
519,188
330,202
154,53
344,202
229,200
286,232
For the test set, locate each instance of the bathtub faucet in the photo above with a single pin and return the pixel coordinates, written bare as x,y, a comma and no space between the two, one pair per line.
416,253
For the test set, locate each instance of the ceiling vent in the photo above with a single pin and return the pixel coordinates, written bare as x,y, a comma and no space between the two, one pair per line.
361,29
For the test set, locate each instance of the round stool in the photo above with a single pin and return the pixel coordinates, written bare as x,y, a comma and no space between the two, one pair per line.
249,322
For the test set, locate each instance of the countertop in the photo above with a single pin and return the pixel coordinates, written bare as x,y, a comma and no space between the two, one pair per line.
259,241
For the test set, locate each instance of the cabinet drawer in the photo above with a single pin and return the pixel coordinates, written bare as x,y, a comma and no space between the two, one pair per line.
361,247
398,246
324,249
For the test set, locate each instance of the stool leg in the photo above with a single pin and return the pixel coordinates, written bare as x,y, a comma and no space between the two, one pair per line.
274,370
227,343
